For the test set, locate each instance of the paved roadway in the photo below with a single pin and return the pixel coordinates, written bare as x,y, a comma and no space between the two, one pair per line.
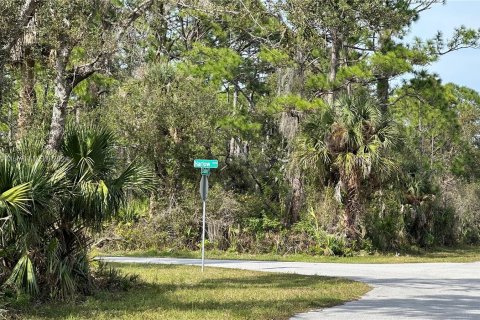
400,291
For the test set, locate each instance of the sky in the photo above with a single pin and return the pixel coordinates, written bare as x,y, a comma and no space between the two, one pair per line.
460,67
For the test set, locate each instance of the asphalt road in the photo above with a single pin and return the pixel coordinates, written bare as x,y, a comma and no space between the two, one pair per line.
400,291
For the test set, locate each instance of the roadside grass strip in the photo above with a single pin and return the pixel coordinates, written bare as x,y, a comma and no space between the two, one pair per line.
183,292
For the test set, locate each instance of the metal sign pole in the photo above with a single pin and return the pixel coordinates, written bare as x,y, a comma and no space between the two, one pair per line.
204,194
205,166
203,237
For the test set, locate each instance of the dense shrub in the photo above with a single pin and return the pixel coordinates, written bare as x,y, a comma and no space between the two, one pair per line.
50,203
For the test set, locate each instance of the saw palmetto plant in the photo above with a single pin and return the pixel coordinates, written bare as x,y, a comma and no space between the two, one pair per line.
49,204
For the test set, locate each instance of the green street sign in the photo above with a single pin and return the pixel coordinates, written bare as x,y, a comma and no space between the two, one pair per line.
205,164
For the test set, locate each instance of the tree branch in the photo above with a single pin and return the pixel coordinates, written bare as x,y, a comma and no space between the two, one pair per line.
134,15
26,13
79,73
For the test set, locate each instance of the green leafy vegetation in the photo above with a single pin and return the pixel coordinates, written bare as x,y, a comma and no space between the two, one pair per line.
414,255
51,203
322,152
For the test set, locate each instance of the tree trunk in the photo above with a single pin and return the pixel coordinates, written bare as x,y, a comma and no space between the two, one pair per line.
291,81
153,205
334,58
24,17
162,32
235,98
295,199
10,126
27,95
62,95
382,93
2,79
77,114
383,85
288,127
352,207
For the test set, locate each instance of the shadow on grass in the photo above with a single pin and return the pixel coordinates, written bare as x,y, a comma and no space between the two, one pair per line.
235,296
279,281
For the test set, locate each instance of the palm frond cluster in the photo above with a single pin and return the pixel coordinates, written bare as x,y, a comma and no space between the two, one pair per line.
347,143
50,202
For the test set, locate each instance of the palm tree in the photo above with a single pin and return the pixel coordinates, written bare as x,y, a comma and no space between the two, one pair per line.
50,203
347,143
29,188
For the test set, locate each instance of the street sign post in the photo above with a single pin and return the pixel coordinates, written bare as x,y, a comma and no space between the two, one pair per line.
205,166
203,163
204,187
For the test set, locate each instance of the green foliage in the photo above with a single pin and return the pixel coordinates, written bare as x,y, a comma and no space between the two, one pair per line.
240,124
346,144
274,57
113,279
390,63
385,221
293,98
296,102
215,64
49,201
23,276
159,120
87,92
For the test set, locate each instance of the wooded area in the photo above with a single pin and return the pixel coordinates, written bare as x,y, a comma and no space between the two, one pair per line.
323,148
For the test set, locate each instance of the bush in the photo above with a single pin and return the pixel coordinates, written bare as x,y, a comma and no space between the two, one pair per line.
51,202
463,199
111,279
178,224
444,227
384,221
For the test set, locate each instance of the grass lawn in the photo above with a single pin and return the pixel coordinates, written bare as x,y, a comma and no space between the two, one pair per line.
458,254
183,292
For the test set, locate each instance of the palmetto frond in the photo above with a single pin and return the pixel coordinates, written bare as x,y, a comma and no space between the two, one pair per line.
353,132
7,173
91,151
350,140
48,199
16,198
13,207
99,190
136,178
23,276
